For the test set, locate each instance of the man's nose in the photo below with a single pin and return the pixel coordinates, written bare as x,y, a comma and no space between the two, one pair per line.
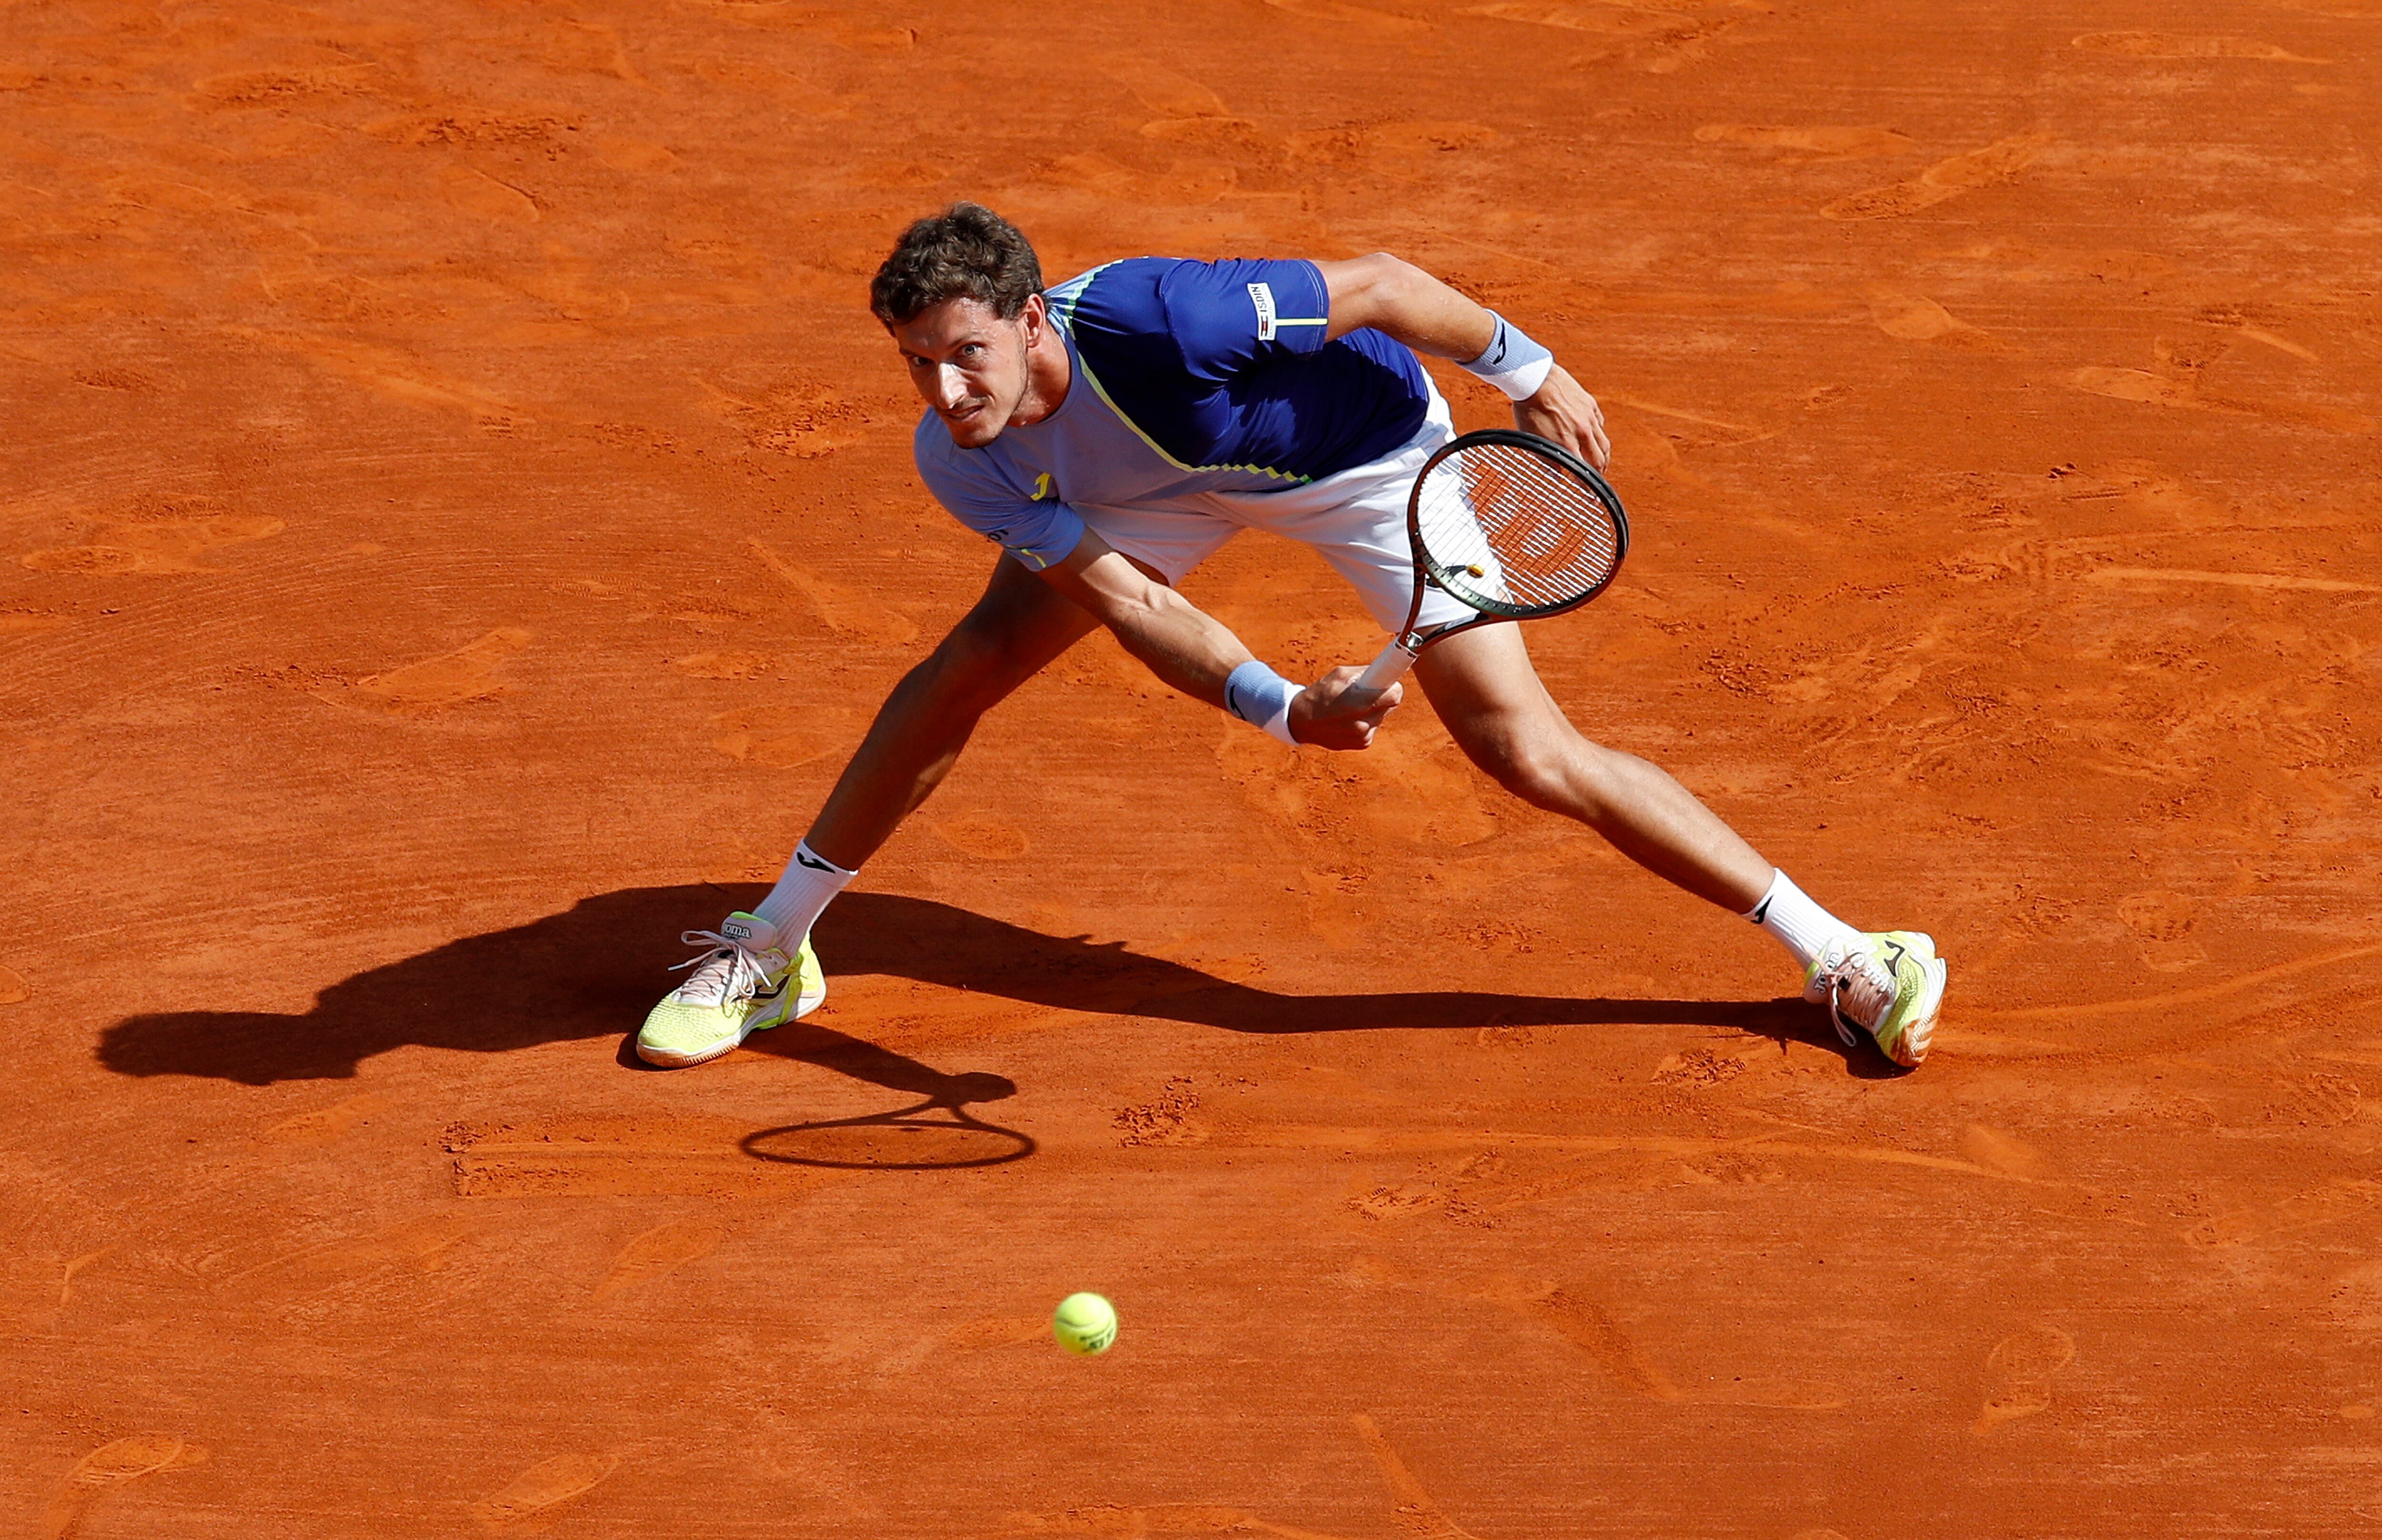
948,389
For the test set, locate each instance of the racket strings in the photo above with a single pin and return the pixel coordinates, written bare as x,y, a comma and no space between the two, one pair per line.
1514,527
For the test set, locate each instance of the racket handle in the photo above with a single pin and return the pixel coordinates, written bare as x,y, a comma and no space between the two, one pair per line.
1387,669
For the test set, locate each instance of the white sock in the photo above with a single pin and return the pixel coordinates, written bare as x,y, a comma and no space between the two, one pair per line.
1801,925
810,884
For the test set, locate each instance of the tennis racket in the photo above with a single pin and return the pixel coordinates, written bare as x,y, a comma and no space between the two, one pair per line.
1510,524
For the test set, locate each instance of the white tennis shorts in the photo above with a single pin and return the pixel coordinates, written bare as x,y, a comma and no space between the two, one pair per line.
1355,518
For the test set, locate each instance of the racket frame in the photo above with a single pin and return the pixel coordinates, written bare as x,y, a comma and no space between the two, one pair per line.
1409,644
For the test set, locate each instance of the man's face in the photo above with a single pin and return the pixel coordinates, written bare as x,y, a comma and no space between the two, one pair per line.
970,364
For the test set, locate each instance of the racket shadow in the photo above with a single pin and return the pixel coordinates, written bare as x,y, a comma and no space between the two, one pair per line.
935,1133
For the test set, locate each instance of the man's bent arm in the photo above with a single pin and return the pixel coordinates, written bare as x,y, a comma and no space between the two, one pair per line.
1190,649
1402,300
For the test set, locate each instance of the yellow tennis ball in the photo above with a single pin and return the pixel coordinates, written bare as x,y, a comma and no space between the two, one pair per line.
1083,1324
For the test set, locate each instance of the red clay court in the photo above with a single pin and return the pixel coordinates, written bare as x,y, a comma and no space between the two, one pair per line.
457,517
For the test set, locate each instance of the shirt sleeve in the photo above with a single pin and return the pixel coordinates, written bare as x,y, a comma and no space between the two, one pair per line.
1230,317
1038,531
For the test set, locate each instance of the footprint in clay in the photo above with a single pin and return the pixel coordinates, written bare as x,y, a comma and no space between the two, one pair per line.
469,673
545,1488
2018,1373
1997,162
660,1252
109,1466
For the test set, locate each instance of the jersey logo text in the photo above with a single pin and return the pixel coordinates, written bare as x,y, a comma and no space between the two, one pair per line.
1262,295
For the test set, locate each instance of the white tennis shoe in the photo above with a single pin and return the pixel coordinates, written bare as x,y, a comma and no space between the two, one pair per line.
744,983
1889,984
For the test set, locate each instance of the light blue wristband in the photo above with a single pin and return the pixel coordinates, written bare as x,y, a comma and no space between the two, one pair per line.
1256,693
1512,362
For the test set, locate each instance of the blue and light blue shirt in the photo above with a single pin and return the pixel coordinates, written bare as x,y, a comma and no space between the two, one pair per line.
1188,378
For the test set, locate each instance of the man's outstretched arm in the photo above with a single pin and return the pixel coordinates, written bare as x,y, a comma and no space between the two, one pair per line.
1401,299
1192,651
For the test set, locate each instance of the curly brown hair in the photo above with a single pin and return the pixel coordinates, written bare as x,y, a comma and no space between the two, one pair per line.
965,253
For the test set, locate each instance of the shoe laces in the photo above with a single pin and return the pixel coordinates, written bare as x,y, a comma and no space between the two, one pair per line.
729,973
1861,991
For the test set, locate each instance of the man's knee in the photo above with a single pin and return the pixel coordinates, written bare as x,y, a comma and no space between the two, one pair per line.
1533,763
1551,766
970,671
988,655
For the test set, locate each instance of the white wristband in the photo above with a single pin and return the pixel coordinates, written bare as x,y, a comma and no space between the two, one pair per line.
1511,362
1256,693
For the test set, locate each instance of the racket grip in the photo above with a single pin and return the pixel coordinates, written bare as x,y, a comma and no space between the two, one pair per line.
1386,669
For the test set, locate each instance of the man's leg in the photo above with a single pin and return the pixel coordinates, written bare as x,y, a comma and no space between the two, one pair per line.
759,969
1485,690
1016,629
1888,985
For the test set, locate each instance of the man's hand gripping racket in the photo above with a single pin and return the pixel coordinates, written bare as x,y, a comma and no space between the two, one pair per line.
1510,524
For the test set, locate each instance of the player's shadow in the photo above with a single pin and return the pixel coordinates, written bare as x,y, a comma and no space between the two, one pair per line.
595,968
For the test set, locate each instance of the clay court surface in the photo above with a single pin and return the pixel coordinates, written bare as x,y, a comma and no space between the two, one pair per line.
456,516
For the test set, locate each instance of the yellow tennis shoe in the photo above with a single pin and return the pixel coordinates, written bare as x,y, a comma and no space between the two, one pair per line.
742,983
1889,985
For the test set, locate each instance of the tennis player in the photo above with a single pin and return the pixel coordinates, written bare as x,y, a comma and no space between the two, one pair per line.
1112,432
